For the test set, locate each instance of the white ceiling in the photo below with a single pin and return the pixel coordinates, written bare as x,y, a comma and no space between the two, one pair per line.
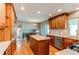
29,14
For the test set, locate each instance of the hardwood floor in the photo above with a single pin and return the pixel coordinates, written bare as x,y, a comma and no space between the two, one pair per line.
52,50
25,49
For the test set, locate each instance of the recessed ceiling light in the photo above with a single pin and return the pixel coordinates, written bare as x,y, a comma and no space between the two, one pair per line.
50,14
22,8
38,12
59,10
77,8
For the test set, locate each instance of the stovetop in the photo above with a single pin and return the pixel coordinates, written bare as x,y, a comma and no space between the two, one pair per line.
75,47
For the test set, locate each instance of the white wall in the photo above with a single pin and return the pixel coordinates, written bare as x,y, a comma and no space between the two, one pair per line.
43,28
74,14
27,27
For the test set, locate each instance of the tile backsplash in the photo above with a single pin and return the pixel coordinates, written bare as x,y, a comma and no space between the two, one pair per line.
59,32
55,31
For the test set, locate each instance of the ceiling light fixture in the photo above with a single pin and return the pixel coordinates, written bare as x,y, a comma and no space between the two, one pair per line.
59,10
38,12
22,8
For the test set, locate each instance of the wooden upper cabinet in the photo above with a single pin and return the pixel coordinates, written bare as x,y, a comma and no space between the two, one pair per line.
50,23
7,21
62,21
10,21
58,22
2,16
53,23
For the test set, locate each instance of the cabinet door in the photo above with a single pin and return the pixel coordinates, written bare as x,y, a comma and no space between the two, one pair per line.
51,41
53,24
8,51
50,24
68,42
1,35
58,22
62,22
13,46
57,25
2,14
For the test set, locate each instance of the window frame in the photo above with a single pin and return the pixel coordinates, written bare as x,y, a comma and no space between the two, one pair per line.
69,25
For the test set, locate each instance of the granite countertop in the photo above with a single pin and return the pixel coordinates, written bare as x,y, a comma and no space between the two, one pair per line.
38,37
67,52
67,36
3,46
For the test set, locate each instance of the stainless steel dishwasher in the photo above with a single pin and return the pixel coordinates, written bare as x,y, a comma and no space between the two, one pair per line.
58,42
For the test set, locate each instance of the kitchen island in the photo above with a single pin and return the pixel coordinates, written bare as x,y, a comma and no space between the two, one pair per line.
39,44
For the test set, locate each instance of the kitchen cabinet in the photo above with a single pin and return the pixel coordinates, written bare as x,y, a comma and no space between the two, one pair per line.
2,21
7,21
1,35
39,45
53,24
60,42
8,50
28,35
50,23
2,15
11,48
51,40
58,22
68,42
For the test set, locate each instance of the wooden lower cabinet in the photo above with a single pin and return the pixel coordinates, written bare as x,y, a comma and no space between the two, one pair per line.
11,48
28,36
8,50
39,47
51,40
1,34
68,42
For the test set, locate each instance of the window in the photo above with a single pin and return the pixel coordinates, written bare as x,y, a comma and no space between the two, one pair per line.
73,26
44,29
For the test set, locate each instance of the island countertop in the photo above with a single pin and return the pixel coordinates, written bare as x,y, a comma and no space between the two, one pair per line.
39,37
3,46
